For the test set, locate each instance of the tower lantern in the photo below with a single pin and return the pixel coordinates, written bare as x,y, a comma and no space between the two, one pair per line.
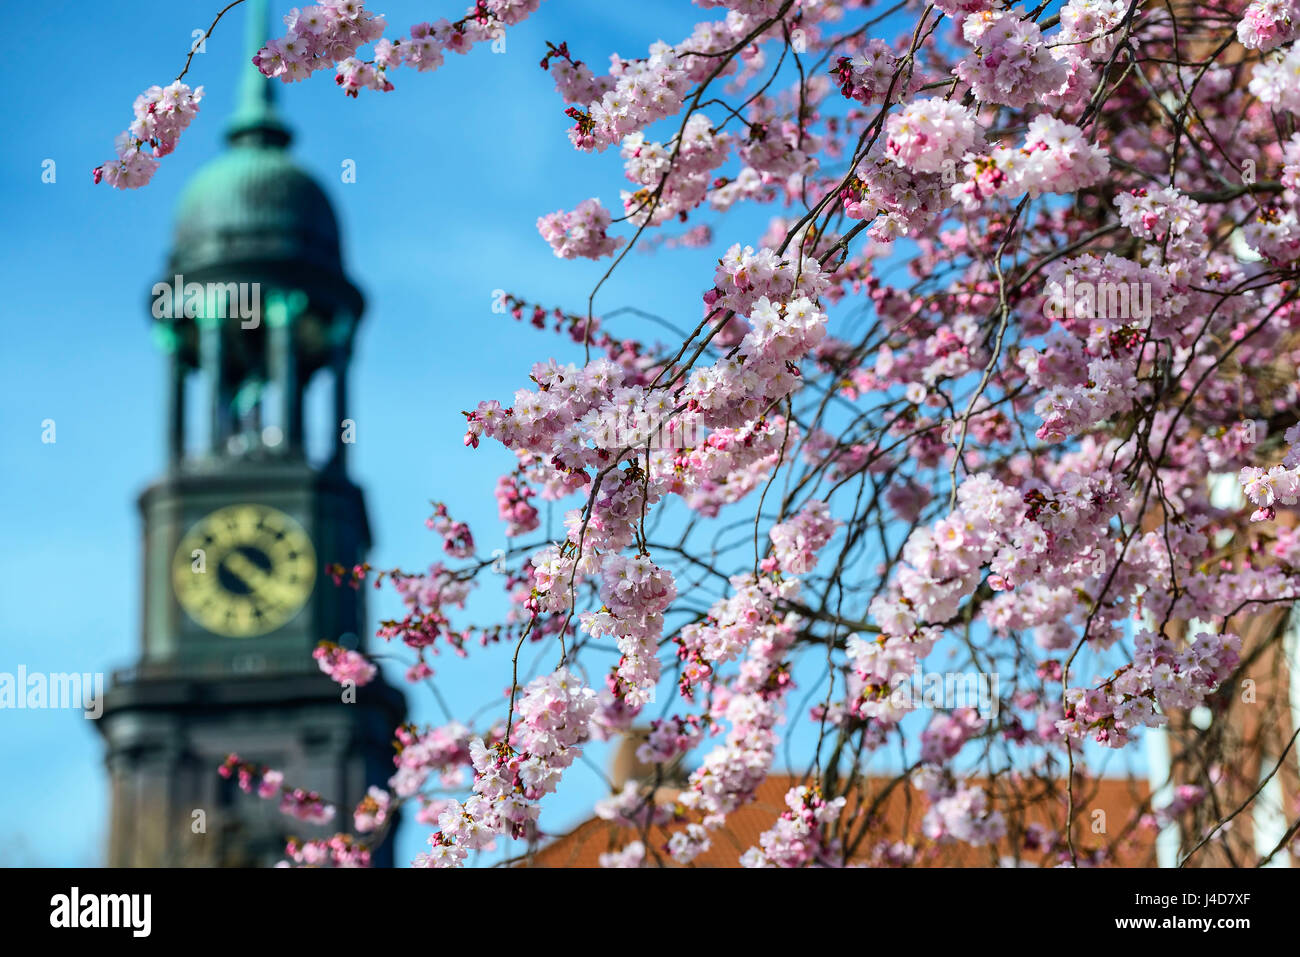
255,300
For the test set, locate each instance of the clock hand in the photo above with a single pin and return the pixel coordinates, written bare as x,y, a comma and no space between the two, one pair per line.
257,580
239,565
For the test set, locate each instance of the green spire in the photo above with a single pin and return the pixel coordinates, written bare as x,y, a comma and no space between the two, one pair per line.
256,122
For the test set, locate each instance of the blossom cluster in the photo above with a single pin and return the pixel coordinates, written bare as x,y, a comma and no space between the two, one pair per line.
896,201
580,233
1012,64
1266,24
673,177
927,134
644,91
161,115
1055,158
870,75
958,811
799,838
318,37
337,851
554,717
1164,216
373,811
1274,79
1088,27
750,703
441,751
428,598
268,783
513,506
795,543
1275,232
1162,676
635,593
344,665
457,539
669,738
948,734
1277,485
328,35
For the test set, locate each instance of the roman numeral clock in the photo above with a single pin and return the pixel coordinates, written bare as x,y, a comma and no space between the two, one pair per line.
253,505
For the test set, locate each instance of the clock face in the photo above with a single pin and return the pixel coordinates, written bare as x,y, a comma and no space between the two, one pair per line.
244,570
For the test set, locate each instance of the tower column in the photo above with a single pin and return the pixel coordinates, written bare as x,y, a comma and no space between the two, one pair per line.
339,366
176,407
284,371
210,363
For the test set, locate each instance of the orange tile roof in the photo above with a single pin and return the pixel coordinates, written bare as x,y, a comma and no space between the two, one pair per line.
899,817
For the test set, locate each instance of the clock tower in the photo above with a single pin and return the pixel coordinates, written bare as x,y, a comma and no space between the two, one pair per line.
255,316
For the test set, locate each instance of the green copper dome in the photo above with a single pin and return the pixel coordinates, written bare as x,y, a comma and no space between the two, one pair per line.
254,203
253,209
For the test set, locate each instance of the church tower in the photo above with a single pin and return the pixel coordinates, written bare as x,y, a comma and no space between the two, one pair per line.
254,309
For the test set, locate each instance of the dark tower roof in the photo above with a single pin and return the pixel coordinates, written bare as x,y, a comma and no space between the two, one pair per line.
253,206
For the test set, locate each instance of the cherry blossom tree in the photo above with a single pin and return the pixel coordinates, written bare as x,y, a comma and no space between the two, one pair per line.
1027,297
